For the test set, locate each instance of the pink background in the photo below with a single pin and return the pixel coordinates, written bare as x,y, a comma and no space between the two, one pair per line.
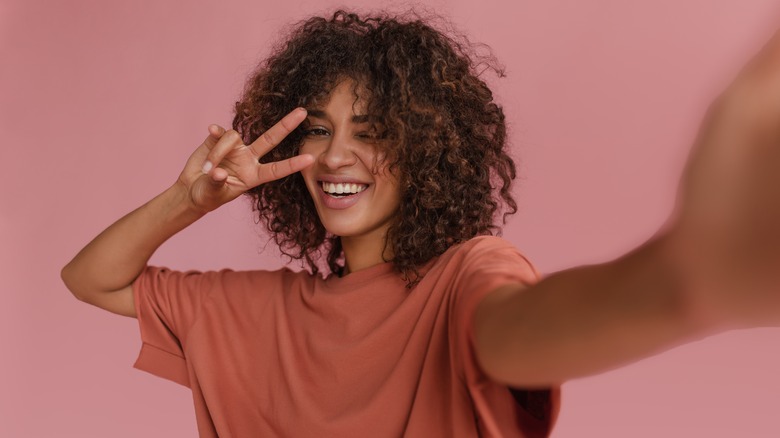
102,103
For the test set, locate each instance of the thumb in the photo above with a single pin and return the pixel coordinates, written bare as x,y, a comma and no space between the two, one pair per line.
217,177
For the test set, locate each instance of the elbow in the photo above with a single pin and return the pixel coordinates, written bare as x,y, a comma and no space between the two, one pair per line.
68,278
65,276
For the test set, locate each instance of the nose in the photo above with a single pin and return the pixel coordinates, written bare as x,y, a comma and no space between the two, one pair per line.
338,153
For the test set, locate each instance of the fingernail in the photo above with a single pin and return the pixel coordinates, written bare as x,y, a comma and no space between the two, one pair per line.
302,110
207,166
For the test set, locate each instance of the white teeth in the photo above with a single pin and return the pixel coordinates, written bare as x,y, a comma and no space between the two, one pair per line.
343,188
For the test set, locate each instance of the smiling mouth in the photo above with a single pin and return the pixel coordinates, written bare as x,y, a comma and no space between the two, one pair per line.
340,190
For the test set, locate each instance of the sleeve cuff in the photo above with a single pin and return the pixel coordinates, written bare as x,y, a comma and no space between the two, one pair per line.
162,364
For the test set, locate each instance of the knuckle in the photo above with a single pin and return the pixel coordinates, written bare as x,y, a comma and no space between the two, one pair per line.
287,124
228,141
269,138
231,136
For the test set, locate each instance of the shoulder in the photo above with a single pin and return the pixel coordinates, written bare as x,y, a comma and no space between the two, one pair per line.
482,244
484,257
484,252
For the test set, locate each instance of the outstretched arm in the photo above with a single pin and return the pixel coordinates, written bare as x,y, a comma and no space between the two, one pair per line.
218,171
586,320
715,267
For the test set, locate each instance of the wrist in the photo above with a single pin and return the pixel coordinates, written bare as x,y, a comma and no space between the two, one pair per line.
179,206
180,199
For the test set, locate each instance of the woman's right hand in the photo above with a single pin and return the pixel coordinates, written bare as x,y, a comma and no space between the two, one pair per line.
223,167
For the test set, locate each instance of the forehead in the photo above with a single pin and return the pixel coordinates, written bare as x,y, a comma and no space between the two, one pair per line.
346,92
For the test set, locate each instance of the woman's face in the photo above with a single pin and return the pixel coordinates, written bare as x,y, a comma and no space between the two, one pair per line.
354,192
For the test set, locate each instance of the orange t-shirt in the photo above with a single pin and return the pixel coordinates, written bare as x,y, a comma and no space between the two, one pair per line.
288,353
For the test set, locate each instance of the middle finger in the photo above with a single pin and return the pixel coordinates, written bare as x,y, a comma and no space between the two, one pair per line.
275,134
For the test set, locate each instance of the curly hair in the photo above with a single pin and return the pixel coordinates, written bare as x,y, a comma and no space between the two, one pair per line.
444,134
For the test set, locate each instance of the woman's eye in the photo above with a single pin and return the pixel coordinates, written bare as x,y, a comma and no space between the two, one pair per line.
316,132
374,136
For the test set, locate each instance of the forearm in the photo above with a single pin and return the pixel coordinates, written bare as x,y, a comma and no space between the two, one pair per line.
589,319
116,256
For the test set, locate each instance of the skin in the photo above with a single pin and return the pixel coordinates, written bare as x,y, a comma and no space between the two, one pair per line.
219,170
340,138
713,267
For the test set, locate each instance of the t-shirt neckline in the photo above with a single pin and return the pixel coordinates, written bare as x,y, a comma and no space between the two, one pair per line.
358,278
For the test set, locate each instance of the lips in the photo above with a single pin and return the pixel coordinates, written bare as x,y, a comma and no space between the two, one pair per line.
340,193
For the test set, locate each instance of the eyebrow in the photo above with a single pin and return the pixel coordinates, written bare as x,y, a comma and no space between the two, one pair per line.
361,118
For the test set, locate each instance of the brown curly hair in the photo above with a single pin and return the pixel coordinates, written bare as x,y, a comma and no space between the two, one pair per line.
444,134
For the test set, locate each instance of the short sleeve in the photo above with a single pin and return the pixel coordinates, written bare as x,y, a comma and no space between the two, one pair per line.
489,263
486,264
167,303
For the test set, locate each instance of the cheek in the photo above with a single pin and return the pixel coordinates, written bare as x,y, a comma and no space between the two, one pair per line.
306,148
375,162
391,192
313,148
308,177
389,178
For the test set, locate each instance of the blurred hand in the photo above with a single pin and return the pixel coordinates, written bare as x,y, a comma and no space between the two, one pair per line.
727,222
223,167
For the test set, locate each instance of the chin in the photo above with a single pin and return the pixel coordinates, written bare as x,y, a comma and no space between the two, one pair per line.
342,228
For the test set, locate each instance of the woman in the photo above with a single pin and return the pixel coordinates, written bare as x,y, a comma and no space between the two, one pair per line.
373,142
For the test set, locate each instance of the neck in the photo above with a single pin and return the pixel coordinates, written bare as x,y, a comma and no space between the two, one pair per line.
361,252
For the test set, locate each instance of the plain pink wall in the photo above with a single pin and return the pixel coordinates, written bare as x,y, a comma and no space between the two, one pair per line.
102,102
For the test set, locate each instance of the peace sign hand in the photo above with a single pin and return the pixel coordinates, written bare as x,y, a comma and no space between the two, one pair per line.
223,167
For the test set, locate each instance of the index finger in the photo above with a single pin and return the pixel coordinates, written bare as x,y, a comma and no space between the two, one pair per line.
275,134
279,169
